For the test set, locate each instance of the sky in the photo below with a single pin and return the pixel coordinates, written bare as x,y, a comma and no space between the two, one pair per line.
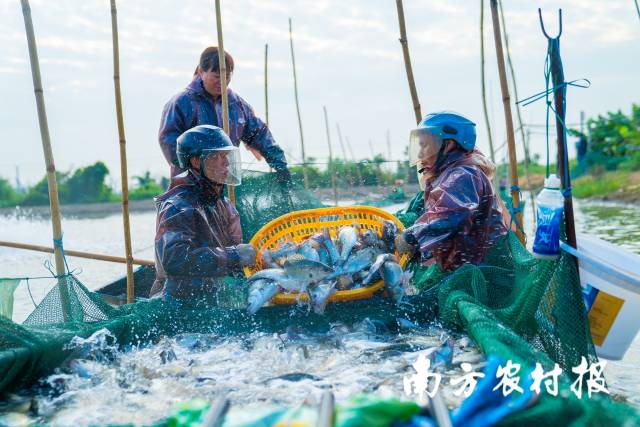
347,56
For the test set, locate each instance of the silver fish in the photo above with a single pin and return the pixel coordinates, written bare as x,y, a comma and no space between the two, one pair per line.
395,280
357,262
301,273
374,271
370,238
307,250
260,292
389,231
319,294
334,255
323,255
348,238
272,274
288,248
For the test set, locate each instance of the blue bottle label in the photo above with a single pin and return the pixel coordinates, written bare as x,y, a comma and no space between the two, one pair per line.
547,240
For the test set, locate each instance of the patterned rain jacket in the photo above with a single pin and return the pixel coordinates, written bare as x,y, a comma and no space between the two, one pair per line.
197,231
462,218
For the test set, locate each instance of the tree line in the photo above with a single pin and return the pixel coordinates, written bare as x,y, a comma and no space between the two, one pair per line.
89,184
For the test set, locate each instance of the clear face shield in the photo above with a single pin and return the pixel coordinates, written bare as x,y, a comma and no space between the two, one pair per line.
222,166
424,146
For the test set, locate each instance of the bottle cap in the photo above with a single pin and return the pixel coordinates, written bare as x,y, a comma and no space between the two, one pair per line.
552,182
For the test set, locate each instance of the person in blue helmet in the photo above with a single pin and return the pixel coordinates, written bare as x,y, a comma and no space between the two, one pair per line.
462,216
200,103
198,233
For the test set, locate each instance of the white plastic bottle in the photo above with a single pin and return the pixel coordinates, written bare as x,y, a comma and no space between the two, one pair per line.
550,203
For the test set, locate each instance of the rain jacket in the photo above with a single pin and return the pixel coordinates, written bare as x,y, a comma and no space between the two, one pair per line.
195,106
462,218
197,231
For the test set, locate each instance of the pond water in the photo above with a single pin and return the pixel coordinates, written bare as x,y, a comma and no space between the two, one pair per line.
286,368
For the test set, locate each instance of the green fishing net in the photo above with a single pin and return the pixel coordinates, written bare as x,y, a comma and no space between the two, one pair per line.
513,306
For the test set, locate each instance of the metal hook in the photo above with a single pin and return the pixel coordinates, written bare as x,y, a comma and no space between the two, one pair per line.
559,25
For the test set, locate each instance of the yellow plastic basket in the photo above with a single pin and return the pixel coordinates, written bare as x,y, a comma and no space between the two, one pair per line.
298,226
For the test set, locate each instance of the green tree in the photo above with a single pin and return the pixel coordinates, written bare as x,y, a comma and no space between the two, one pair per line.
146,188
8,196
87,185
614,141
39,193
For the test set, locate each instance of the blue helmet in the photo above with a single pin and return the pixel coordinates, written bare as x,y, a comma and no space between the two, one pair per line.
450,125
198,140
205,140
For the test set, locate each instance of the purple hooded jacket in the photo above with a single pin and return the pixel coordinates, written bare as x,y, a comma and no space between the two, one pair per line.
462,218
195,106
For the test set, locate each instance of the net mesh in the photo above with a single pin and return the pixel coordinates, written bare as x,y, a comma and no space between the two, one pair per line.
513,305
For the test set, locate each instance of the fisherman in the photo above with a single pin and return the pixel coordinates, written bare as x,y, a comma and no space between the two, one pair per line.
462,219
200,103
198,233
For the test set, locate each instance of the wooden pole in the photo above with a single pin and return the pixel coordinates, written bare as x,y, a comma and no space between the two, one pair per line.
557,76
295,89
266,85
344,155
330,168
79,254
407,62
355,162
54,202
223,83
484,90
123,154
525,147
506,101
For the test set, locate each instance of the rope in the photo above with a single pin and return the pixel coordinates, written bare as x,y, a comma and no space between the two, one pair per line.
580,83
57,243
513,211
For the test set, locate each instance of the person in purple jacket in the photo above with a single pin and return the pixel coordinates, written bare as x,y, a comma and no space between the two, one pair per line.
200,103
462,217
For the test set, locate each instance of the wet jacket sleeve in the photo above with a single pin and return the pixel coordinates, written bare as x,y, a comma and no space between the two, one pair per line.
177,116
180,253
256,134
451,208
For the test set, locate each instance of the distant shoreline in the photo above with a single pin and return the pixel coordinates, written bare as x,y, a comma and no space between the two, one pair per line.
103,209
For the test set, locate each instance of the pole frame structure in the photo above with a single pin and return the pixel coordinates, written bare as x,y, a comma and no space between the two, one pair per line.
330,167
484,90
266,84
560,105
295,91
78,254
511,143
124,176
407,62
52,185
223,83
344,155
525,146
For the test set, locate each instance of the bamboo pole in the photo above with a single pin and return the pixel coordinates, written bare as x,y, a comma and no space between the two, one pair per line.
330,166
525,148
484,90
54,202
355,162
344,155
506,101
266,84
223,84
78,254
407,62
295,89
124,176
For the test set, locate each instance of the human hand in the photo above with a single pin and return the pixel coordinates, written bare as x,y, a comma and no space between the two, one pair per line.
247,255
